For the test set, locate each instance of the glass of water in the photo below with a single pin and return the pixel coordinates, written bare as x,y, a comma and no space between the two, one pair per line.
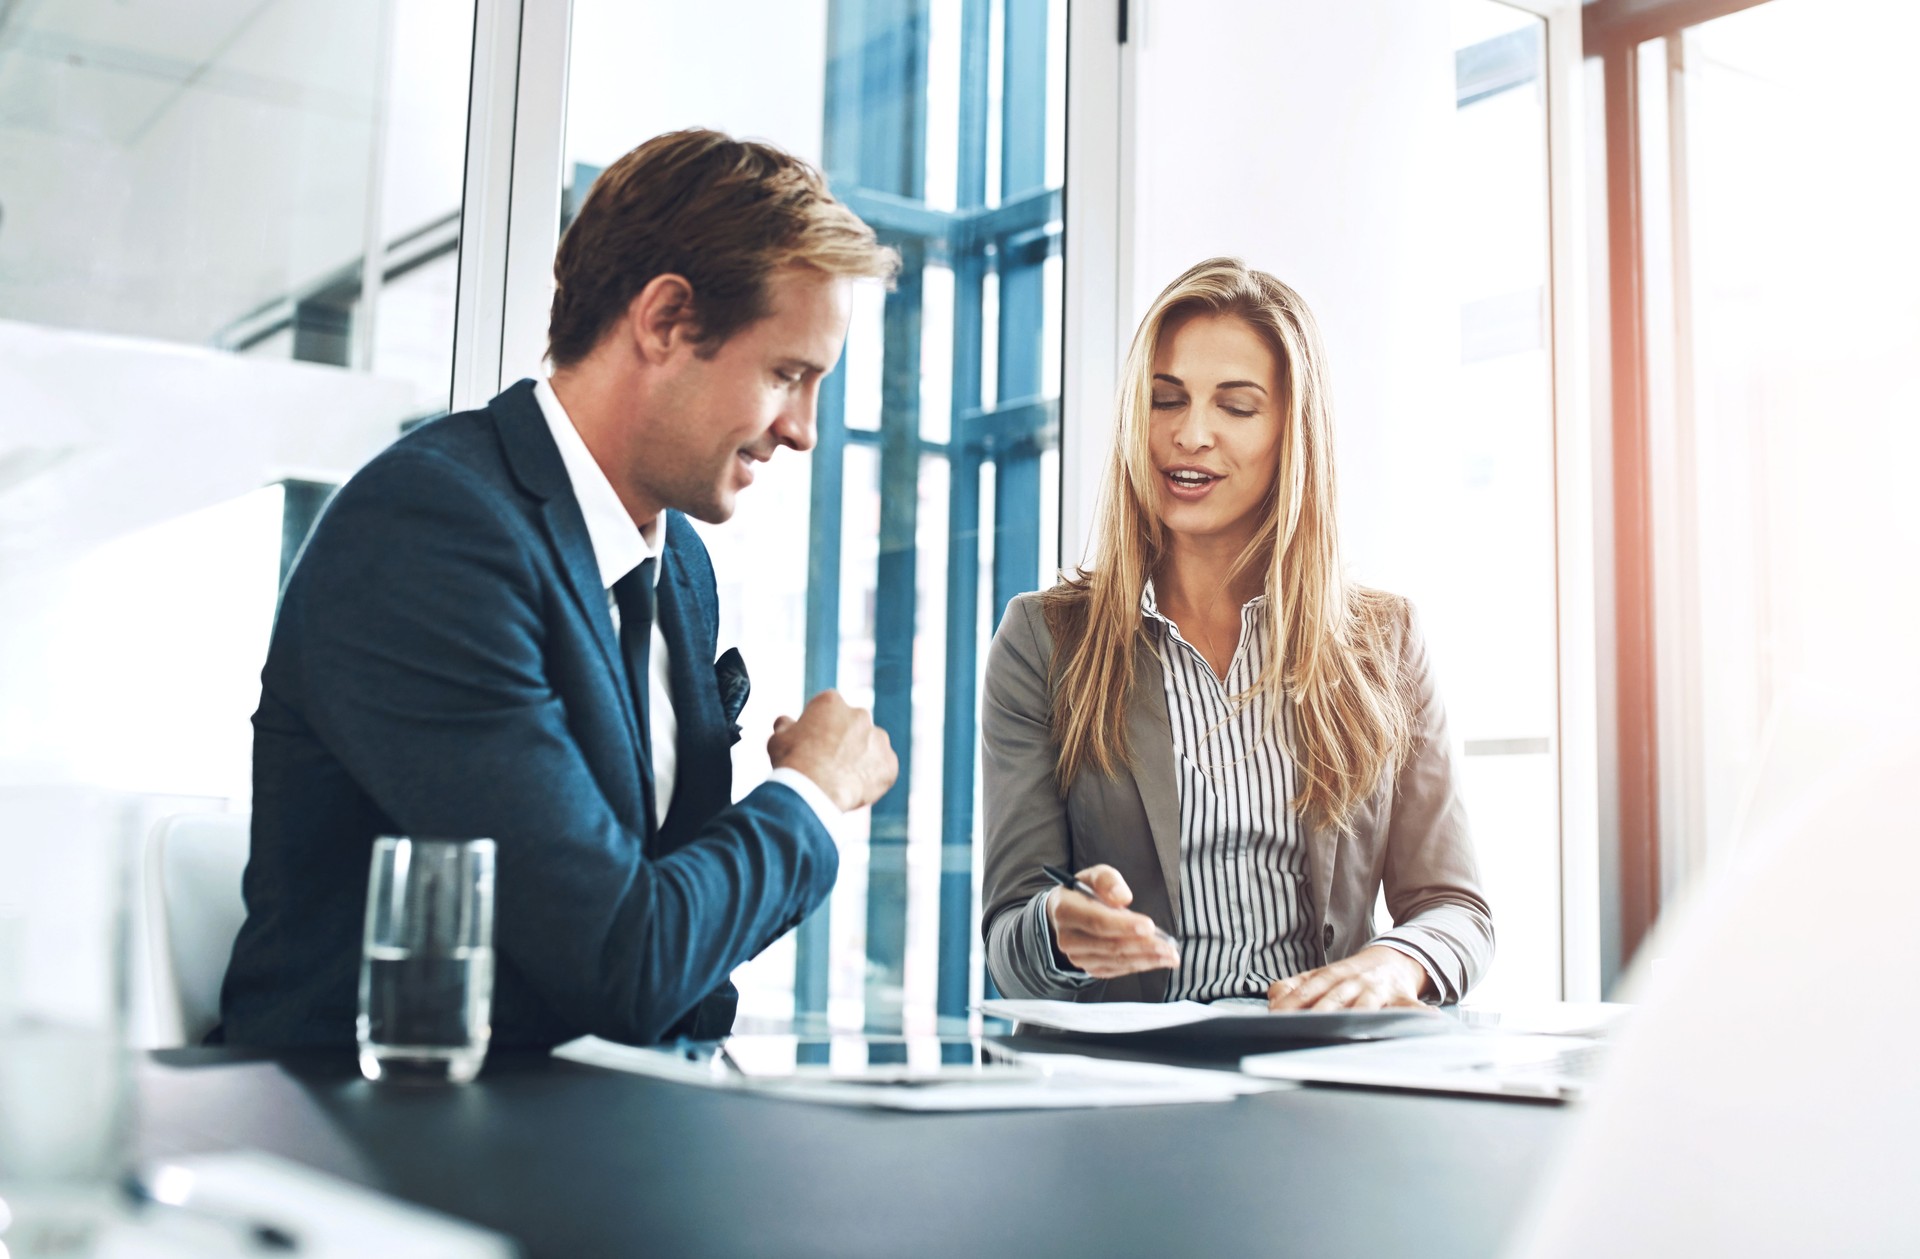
426,970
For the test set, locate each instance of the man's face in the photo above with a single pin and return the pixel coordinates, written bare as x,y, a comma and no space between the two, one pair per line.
711,419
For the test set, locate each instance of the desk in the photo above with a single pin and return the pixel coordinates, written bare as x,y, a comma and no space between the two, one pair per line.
577,1162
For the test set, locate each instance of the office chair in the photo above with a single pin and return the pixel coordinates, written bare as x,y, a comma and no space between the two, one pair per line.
193,863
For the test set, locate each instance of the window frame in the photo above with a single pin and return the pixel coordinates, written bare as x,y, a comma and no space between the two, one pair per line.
1612,33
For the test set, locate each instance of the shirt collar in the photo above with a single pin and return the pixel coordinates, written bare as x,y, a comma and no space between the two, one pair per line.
618,547
1151,609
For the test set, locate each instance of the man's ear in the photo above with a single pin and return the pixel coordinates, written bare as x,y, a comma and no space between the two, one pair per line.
660,317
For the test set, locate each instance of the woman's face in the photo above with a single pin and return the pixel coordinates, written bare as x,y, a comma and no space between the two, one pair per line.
1214,438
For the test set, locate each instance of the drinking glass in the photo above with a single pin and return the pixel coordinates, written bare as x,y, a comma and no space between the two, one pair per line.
426,969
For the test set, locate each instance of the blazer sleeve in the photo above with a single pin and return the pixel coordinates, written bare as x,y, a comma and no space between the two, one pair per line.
1026,820
1431,880
423,671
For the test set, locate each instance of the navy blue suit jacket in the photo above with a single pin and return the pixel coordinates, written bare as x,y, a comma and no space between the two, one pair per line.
444,665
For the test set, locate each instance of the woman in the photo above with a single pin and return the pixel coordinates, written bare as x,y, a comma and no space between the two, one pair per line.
1230,743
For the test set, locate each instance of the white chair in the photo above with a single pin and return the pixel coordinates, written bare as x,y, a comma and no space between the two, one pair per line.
192,868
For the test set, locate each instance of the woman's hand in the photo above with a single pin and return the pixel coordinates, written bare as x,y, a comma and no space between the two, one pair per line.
1373,979
1103,937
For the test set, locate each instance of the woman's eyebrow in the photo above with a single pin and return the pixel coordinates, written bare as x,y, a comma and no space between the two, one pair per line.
1241,384
1171,380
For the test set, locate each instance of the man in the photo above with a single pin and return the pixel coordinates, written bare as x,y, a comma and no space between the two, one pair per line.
504,626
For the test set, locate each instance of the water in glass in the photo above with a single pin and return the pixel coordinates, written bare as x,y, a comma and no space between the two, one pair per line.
421,1012
426,969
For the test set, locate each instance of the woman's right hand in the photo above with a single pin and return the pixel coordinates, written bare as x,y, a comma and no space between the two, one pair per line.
1103,937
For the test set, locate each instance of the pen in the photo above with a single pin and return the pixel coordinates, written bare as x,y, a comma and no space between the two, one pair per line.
709,1052
1072,884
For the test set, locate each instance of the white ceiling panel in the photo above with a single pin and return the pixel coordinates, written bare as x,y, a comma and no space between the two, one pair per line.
185,31
328,47
75,97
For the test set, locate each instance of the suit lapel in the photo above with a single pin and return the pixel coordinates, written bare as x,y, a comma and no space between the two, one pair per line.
537,465
568,533
1150,739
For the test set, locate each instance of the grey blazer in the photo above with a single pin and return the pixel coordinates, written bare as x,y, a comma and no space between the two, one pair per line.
1409,837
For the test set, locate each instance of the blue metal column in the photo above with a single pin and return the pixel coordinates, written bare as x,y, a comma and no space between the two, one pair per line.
963,537
893,160
1023,169
846,35
812,943
876,142
895,596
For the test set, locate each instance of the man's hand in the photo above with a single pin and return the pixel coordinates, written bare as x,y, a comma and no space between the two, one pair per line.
839,747
1373,979
1104,938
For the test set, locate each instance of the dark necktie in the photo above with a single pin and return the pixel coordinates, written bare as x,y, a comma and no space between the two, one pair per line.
634,595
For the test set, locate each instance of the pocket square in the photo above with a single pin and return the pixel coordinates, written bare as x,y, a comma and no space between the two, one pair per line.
730,671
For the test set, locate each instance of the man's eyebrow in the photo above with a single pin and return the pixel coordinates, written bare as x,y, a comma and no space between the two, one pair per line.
807,363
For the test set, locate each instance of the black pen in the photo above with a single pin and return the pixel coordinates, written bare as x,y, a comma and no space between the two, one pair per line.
1072,884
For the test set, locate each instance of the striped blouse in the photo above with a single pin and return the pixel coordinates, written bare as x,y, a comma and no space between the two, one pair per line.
1245,916
1245,912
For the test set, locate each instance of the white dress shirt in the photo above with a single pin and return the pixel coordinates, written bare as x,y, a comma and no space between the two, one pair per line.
618,548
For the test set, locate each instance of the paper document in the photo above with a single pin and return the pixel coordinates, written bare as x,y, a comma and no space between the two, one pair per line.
1231,1019
1060,1082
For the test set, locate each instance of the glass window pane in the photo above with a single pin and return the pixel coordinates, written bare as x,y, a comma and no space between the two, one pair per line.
228,236
1494,618
892,590
1788,419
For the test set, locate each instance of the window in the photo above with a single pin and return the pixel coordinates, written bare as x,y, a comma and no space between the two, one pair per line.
1492,614
931,498
228,235
1782,328
1759,280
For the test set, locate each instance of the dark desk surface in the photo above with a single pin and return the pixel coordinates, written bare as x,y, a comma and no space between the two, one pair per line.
575,1162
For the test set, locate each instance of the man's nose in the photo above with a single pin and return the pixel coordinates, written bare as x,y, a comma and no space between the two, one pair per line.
796,426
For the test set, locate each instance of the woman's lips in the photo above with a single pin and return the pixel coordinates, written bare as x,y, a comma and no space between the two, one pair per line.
1188,492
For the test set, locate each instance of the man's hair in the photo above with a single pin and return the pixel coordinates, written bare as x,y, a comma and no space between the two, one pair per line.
723,214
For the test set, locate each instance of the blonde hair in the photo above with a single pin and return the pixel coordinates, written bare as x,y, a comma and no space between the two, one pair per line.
1330,646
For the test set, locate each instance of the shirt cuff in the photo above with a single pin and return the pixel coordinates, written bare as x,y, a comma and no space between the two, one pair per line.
810,791
1040,931
1441,994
